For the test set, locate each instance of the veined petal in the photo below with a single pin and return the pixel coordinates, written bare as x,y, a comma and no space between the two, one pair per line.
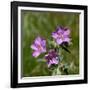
59,41
44,50
67,39
67,32
55,61
51,62
43,43
60,31
38,40
34,47
36,53
54,35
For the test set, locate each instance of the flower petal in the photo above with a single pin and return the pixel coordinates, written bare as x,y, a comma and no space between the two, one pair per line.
38,40
34,47
36,53
67,32
54,35
67,39
43,43
61,31
55,61
43,50
59,41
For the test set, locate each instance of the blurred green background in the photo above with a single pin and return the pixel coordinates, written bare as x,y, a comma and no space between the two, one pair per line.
36,23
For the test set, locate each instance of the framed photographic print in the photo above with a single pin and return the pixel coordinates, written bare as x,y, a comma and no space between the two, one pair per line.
48,44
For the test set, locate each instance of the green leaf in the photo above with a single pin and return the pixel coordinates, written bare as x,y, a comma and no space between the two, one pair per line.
54,72
41,60
58,72
65,49
60,58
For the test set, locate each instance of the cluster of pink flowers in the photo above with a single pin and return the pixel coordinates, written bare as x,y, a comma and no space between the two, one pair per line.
60,35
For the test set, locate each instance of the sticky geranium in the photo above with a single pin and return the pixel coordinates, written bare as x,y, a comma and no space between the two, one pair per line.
52,58
61,35
53,55
39,46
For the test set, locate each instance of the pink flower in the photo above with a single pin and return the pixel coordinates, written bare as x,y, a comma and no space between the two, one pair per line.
39,46
52,58
61,35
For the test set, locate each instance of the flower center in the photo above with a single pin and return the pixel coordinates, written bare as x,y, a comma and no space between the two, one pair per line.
60,36
40,47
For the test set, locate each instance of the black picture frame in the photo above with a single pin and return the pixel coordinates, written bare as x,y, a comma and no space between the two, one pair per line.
14,44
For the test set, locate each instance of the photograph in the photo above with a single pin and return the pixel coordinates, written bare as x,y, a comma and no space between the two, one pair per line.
49,44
